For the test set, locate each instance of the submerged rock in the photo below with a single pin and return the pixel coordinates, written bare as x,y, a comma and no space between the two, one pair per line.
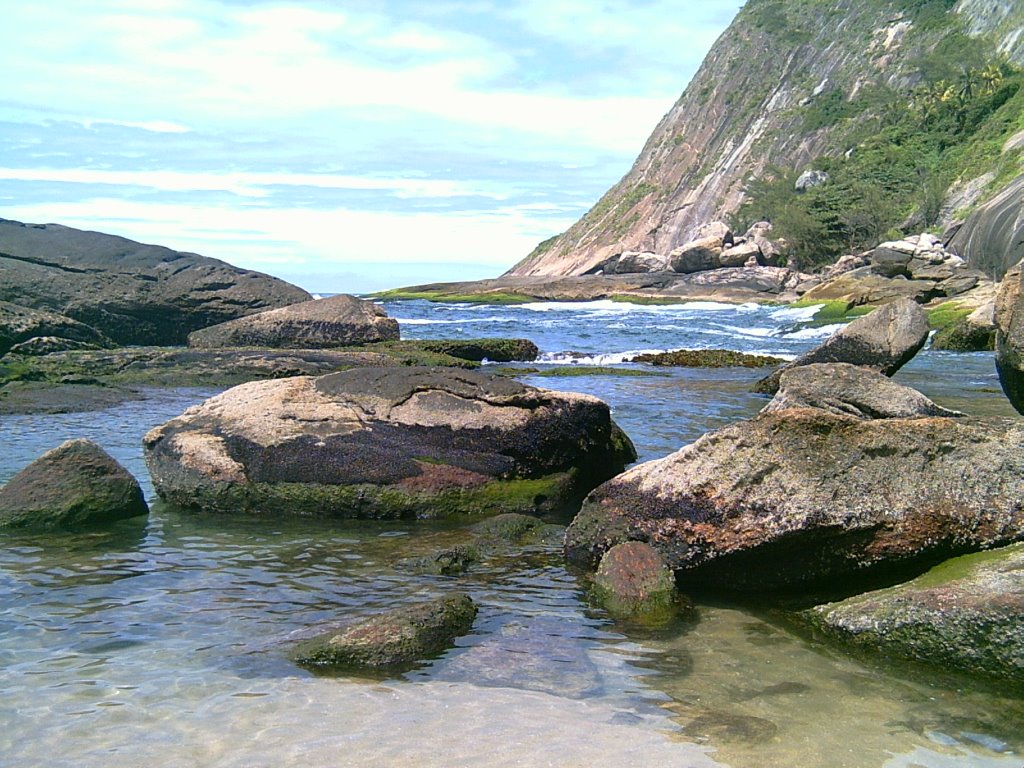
884,341
338,321
77,484
386,443
851,390
706,358
394,640
633,580
804,496
966,613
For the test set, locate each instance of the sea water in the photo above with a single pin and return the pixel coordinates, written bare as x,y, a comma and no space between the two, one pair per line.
164,641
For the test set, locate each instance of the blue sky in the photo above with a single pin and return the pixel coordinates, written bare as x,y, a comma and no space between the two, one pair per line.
346,145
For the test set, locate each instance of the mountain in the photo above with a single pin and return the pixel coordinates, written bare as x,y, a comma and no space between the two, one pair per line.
129,292
912,110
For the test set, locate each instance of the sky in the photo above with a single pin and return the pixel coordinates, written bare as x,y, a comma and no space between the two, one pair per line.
343,145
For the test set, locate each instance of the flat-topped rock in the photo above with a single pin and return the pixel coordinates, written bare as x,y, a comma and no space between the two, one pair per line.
75,485
804,496
387,442
338,321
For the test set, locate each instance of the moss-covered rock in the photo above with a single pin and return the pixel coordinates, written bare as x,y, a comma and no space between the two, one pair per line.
75,485
391,641
707,358
633,580
966,613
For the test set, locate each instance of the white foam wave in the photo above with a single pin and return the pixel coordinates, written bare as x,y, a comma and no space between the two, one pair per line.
611,358
821,332
464,321
621,307
796,314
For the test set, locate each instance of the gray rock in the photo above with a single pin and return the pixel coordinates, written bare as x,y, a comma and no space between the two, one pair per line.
800,497
965,614
851,390
391,641
75,485
717,229
810,179
338,321
884,341
129,292
20,326
864,286
387,442
635,262
893,258
992,238
697,256
1009,321
739,255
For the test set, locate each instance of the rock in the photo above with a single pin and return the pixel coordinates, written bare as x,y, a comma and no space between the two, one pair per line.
635,262
512,528
21,326
338,321
965,614
992,238
75,485
738,255
759,229
450,561
394,640
861,286
386,443
698,256
810,179
706,358
846,264
884,341
893,258
48,345
974,333
634,579
129,292
1009,321
851,390
717,229
804,497
495,350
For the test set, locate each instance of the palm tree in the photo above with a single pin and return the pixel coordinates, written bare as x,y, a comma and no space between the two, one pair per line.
992,77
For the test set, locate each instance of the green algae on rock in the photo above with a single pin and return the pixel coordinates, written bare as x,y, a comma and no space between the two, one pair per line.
965,613
394,640
707,358
387,443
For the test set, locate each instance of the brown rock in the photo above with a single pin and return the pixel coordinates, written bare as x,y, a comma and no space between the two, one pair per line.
698,256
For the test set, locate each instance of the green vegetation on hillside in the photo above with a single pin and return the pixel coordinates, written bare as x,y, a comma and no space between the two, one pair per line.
894,154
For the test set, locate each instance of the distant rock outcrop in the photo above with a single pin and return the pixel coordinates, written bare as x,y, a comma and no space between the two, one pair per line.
992,238
338,321
75,485
29,331
386,443
129,292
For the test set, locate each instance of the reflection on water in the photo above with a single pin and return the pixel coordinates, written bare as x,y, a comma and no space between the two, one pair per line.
163,641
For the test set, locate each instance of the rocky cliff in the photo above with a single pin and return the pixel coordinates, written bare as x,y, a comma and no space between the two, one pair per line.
797,84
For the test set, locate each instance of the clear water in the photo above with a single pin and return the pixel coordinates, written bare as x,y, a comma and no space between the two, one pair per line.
164,641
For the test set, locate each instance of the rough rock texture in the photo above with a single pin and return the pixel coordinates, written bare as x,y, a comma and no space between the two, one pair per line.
633,578
747,108
697,256
802,496
21,327
706,358
884,341
338,321
75,485
851,390
386,442
130,292
975,333
864,286
392,641
1009,321
633,262
992,238
966,613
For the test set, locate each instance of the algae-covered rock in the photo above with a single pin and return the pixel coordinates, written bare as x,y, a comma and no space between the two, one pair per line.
633,579
387,443
884,341
394,640
707,358
77,484
966,613
450,561
803,496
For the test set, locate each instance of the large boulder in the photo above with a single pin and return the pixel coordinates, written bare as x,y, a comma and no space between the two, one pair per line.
883,340
21,327
966,613
803,496
1009,321
338,321
851,390
387,442
698,256
75,485
391,641
992,238
130,292
974,333
637,262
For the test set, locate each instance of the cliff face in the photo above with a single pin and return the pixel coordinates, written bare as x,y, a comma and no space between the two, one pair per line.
754,103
